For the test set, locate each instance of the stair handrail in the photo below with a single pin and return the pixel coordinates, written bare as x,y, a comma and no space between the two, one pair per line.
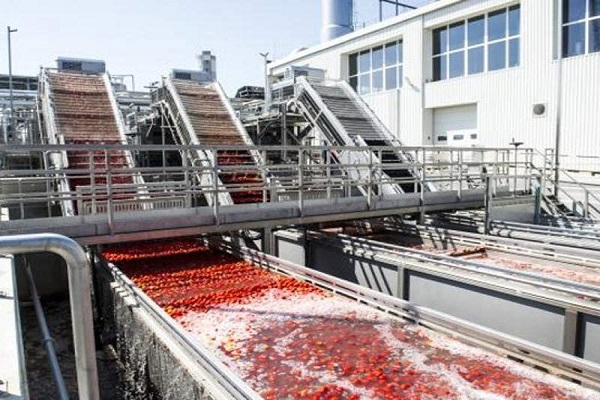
549,178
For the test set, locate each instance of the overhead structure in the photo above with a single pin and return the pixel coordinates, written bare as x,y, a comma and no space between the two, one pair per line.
81,109
345,119
202,115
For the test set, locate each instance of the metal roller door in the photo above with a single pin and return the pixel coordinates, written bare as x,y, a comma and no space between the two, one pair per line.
451,119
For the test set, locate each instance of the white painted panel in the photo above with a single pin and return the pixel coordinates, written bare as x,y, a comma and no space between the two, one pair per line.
504,98
385,105
445,120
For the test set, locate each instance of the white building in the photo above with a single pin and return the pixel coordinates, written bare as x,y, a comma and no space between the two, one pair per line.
464,72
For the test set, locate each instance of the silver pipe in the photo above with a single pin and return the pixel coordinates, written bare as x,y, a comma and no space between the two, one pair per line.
48,341
79,273
9,30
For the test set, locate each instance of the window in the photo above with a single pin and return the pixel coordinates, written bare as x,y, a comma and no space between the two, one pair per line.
580,27
483,43
376,69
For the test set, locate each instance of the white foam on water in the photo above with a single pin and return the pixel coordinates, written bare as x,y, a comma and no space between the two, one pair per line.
455,347
231,326
419,362
326,377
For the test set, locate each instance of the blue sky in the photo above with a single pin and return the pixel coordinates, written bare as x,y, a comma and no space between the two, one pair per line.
149,37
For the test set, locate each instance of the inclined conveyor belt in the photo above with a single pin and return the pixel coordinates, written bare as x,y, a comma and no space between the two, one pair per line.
282,329
80,109
207,118
346,120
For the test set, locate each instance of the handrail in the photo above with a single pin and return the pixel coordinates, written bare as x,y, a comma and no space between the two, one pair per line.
79,274
312,180
572,181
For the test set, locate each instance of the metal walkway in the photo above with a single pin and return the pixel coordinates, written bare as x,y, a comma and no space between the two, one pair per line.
31,195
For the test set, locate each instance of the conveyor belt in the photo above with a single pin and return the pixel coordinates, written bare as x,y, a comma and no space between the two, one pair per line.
345,119
206,118
79,110
285,337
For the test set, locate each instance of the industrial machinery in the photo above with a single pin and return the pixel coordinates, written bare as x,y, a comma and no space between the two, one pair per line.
308,308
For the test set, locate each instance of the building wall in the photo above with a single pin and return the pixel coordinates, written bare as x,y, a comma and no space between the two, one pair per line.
504,98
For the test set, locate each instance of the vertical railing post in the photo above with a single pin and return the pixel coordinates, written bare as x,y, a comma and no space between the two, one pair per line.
300,180
529,169
92,184
586,203
516,172
109,199
379,184
460,173
370,181
47,182
328,170
263,174
186,182
416,180
424,173
538,203
215,178
487,205
451,169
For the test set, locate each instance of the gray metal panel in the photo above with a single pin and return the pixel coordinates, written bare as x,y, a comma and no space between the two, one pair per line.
290,250
590,338
527,319
370,274
331,261
378,276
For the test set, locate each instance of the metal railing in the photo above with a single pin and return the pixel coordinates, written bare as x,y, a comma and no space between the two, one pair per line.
315,172
48,341
80,299
586,206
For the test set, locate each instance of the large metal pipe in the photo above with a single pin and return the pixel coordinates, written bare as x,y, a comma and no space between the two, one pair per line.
336,17
48,341
79,295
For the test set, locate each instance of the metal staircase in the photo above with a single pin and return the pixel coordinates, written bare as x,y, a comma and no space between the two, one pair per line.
346,120
568,201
